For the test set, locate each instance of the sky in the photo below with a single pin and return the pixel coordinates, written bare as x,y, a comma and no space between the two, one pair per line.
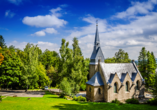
123,24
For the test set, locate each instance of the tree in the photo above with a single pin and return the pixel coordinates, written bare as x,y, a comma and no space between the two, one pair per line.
65,86
2,42
110,60
1,57
43,79
29,65
10,69
155,87
150,73
122,57
142,62
154,60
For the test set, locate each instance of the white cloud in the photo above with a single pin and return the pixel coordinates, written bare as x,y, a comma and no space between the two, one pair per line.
129,37
42,45
47,20
44,31
9,14
16,2
137,8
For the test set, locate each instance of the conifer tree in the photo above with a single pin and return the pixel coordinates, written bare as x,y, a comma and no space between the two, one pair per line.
142,62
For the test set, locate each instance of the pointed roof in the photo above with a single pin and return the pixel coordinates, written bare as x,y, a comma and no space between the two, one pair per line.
95,80
96,36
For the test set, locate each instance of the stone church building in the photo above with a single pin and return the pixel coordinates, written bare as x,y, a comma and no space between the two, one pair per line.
108,81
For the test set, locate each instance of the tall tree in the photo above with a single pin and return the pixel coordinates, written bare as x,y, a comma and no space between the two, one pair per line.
142,62
2,42
29,74
122,57
1,56
10,69
154,59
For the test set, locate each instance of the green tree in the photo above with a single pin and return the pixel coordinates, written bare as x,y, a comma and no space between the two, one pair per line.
10,69
65,86
154,60
155,87
122,57
29,66
110,60
142,62
43,79
2,42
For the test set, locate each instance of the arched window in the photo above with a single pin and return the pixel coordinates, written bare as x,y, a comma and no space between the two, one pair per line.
127,86
99,91
137,85
89,89
115,87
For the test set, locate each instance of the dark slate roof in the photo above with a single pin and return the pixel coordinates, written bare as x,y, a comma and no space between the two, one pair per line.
95,80
121,69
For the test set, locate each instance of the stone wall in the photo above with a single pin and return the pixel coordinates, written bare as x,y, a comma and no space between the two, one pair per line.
92,70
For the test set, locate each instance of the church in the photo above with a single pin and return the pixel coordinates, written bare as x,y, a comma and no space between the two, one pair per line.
110,81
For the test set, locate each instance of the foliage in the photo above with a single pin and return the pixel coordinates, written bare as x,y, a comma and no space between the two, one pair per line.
0,98
155,87
122,57
79,98
62,95
43,79
132,101
1,57
29,72
152,101
10,69
2,42
110,60
65,86
116,101
83,87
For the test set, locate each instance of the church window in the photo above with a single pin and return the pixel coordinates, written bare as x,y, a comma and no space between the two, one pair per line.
89,89
137,85
99,91
127,86
115,87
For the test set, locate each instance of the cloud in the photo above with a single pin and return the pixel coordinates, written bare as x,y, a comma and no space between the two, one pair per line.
42,45
44,31
9,14
137,8
47,20
16,2
130,37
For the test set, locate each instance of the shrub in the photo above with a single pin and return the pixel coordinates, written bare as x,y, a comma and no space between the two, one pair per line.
132,101
0,98
116,101
65,86
83,87
62,95
152,101
79,98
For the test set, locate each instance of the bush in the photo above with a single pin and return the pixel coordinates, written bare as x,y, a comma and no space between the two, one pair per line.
65,86
116,101
0,98
132,101
62,95
83,87
152,101
79,98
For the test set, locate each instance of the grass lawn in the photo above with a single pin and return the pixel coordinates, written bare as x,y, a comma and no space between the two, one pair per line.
53,102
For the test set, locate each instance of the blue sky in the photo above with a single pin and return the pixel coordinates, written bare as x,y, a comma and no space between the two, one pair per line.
126,24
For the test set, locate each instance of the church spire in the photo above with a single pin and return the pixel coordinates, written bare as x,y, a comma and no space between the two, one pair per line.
97,41
97,52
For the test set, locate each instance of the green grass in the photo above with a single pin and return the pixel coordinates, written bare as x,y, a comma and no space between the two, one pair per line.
53,102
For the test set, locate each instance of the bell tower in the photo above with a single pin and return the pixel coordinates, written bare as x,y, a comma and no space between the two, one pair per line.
97,54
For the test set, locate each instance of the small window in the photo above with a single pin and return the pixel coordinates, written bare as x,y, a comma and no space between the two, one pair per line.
115,87
137,85
127,86
99,91
89,89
